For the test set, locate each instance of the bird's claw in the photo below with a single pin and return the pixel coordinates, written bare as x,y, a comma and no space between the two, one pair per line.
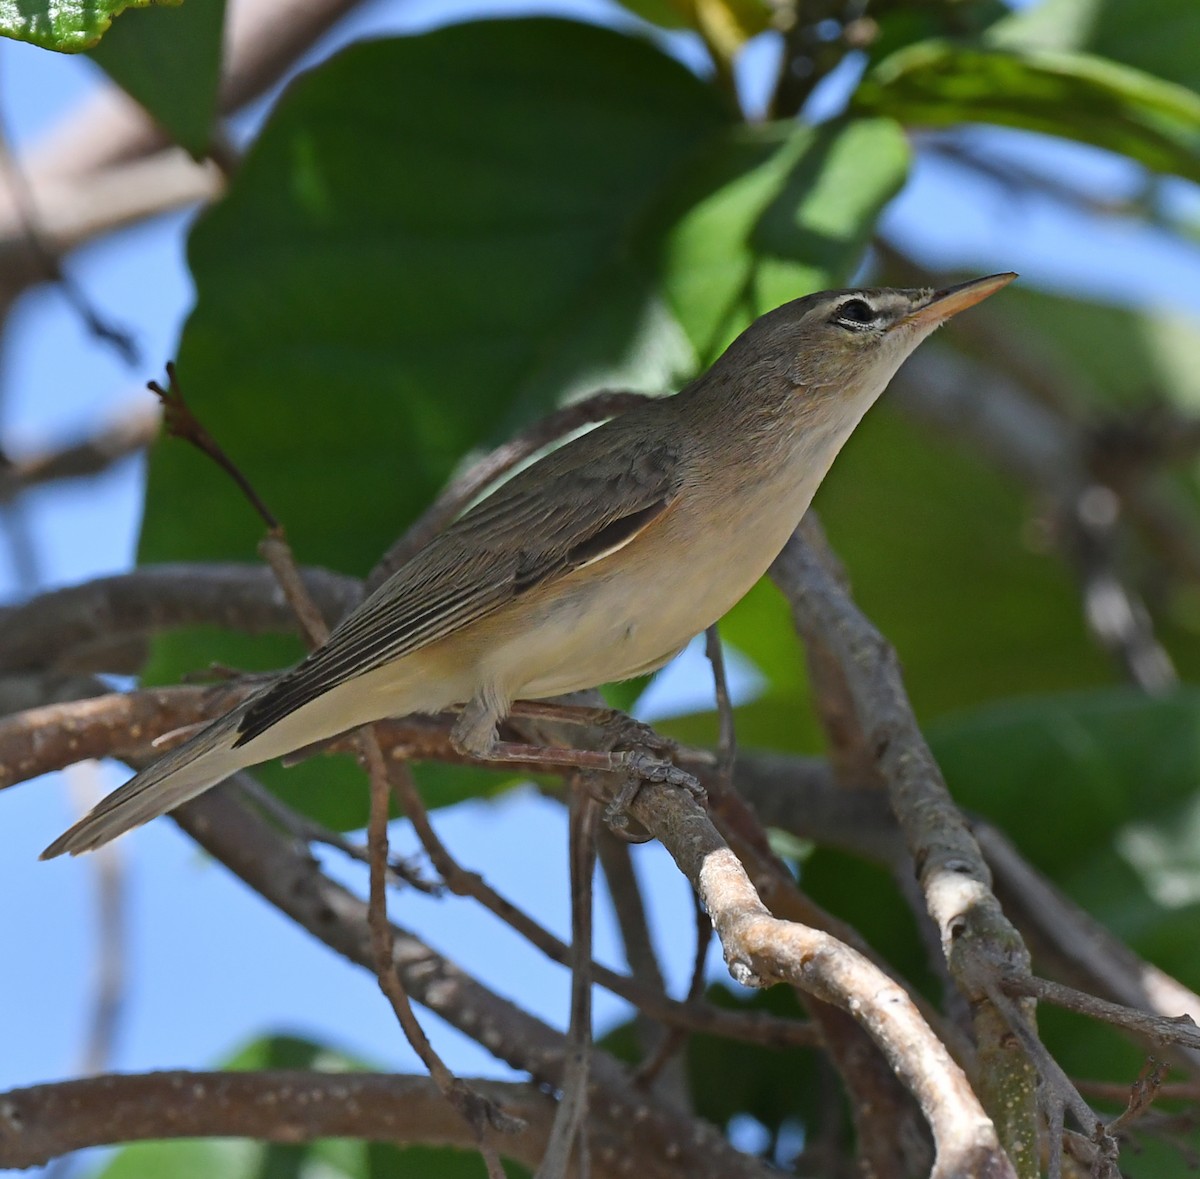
642,768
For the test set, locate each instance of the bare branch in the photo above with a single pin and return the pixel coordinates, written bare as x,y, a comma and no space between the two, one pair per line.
1176,1029
570,1130
120,725
669,1144
761,949
82,627
1078,944
44,1122
978,942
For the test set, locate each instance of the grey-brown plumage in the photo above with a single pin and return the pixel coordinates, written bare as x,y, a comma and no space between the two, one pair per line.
597,563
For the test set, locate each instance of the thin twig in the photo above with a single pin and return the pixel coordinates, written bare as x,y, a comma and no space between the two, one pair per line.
1142,1092
308,831
111,936
727,734
120,339
181,422
1179,1029
275,550
571,1120
676,1037
480,1113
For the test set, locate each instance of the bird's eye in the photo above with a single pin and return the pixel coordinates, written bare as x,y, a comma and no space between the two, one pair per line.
855,313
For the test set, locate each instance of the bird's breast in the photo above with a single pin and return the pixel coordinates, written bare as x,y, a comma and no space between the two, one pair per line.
630,613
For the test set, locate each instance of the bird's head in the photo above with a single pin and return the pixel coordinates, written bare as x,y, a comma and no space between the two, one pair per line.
853,341
848,344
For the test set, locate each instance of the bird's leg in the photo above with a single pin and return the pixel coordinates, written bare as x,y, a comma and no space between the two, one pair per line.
474,733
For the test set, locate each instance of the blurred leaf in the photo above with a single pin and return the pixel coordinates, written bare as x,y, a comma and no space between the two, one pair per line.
1110,780
169,60
330,1158
190,1159
770,213
729,23
413,282
68,26
1117,356
1089,99
902,25
1158,36
282,1050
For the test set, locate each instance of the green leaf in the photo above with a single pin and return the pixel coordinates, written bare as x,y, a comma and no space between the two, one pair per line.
769,213
727,22
169,60
227,1157
69,27
387,288
1119,359
330,1158
1157,36
1111,778
1073,96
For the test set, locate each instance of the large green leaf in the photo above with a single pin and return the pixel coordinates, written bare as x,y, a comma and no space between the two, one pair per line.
388,287
169,59
1158,36
69,27
768,213
729,23
1074,96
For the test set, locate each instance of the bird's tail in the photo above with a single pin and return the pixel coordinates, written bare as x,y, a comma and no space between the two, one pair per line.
198,764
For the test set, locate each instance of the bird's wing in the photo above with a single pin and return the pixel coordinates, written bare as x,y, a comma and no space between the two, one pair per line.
574,507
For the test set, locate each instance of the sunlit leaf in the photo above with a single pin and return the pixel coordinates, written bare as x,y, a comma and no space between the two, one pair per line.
1158,36
1075,96
68,27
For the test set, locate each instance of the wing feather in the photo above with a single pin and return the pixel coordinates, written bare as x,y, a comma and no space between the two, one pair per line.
575,507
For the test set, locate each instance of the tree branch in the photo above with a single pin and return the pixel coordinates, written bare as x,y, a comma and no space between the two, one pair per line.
761,949
43,1122
978,942
667,1142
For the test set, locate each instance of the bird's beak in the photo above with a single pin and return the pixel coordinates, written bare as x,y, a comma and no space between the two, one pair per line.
943,304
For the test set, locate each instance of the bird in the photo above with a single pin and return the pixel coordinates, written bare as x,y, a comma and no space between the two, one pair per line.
597,563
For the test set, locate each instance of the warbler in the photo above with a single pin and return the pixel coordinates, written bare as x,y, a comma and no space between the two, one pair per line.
597,563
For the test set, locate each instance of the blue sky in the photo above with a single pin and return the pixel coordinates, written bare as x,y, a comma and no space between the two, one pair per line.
209,964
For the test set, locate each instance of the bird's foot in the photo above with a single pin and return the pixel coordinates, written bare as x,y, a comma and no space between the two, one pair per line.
640,768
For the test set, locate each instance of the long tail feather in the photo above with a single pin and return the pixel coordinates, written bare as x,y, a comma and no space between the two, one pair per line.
197,765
